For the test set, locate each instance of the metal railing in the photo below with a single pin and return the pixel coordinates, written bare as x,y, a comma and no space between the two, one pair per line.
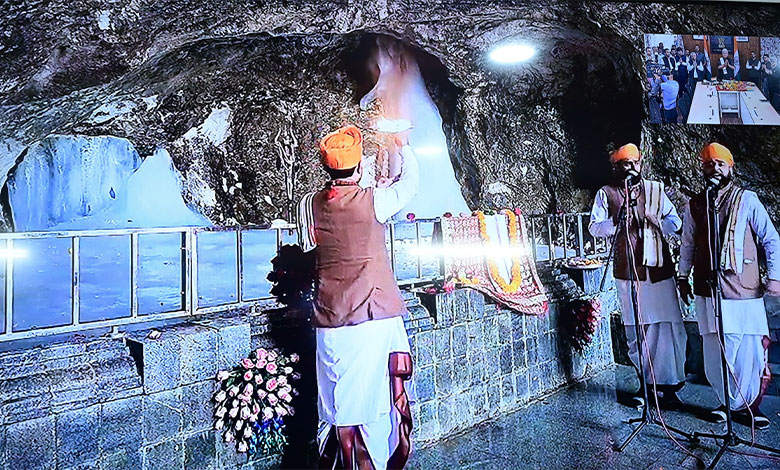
562,235
559,237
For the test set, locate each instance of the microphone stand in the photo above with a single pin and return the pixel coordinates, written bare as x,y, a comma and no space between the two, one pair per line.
648,417
730,438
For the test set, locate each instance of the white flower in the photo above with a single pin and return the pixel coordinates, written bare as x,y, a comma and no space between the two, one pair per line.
220,412
221,396
219,424
268,413
248,390
248,431
239,425
228,436
235,402
233,391
272,355
281,411
261,393
272,399
233,412
282,380
258,378
242,446
253,418
245,413
288,370
222,375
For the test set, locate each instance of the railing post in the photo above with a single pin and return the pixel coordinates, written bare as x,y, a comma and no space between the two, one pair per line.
391,227
240,265
75,291
565,237
550,242
134,275
580,238
533,238
186,268
9,286
193,271
419,252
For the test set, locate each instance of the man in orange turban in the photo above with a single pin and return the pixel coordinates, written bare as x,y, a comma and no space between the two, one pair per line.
363,354
744,223
642,253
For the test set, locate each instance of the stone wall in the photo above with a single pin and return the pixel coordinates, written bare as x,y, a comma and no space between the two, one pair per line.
143,403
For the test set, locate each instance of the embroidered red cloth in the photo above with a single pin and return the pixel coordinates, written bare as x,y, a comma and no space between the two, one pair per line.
530,298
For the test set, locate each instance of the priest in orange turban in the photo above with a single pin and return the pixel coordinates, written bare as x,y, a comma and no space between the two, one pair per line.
363,354
744,225
642,253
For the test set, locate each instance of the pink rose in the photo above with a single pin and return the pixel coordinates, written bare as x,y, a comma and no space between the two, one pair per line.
248,375
258,378
271,385
271,367
294,357
448,214
410,216
272,399
261,353
247,363
261,363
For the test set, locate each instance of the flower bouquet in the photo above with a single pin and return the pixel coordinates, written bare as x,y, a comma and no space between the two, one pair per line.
253,400
732,85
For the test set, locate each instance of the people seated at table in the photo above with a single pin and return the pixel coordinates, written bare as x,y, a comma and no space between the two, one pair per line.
725,66
753,67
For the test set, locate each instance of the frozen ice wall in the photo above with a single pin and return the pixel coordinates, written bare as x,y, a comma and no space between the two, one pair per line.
68,177
401,94
82,183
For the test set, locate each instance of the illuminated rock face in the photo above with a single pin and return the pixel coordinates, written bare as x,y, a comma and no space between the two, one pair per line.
532,135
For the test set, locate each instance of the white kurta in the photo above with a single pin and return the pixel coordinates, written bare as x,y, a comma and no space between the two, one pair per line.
744,321
659,308
353,377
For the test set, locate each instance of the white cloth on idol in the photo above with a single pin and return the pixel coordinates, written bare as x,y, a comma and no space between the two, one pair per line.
665,335
744,326
353,381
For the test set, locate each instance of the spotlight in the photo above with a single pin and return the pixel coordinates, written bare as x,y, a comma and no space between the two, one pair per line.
511,53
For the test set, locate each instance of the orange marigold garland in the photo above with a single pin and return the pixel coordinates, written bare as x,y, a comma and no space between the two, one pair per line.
517,276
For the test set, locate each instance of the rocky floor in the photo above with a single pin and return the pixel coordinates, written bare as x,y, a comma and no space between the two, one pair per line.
577,428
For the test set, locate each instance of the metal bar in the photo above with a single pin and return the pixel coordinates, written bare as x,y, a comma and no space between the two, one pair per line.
185,270
550,242
128,231
419,251
391,227
193,271
9,287
92,325
134,275
580,237
533,238
75,270
239,266
565,237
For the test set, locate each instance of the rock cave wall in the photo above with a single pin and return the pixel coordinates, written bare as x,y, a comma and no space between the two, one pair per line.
215,82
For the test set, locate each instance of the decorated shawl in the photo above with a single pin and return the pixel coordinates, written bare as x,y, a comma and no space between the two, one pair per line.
652,236
733,200
471,259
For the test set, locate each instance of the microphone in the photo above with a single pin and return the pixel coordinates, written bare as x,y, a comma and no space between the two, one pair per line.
712,182
632,176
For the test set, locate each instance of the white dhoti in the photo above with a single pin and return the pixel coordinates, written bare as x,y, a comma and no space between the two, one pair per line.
353,380
744,327
664,333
